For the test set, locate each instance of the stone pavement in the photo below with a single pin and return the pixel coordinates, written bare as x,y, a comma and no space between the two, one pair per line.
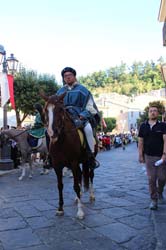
118,219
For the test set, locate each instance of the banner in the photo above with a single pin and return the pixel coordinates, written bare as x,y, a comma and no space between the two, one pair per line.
11,90
5,95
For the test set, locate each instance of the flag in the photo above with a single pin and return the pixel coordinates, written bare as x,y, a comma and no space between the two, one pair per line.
103,123
5,95
11,90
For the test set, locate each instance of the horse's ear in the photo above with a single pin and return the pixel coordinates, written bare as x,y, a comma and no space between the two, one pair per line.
43,95
61,97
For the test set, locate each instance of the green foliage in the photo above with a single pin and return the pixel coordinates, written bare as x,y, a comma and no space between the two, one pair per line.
161,108
110,122
27,86
139,78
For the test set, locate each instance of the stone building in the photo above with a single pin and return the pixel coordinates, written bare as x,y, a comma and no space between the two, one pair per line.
126,109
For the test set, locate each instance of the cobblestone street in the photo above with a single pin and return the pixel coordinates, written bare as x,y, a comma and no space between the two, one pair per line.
119,218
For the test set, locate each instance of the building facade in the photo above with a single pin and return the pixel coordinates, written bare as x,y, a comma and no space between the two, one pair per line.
127,109
162,18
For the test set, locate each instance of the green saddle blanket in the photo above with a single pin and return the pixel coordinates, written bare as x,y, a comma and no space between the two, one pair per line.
37,132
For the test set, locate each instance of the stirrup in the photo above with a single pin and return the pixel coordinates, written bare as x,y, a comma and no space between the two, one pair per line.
93,163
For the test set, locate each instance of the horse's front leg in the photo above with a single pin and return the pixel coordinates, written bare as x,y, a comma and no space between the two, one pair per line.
76,176
23,171
91,189
58,171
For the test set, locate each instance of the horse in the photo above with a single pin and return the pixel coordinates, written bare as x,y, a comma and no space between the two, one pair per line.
21,137
66,149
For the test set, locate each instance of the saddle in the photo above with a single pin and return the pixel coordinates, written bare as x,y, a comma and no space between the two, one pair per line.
83,140
34,142
35,136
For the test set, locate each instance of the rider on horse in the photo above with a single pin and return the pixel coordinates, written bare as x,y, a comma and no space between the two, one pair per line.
38,129
80,104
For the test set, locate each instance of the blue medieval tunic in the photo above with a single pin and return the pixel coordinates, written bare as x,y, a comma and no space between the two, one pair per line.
79,102
76,99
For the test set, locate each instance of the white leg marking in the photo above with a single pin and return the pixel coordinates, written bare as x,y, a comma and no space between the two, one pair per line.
50,119
31,170
91,190
23,169
80,212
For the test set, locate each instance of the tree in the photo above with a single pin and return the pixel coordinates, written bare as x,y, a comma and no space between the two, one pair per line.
139,78
27,86
111,124
161,108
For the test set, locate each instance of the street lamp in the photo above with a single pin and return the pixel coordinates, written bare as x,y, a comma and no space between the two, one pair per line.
163,72
12,63
8,65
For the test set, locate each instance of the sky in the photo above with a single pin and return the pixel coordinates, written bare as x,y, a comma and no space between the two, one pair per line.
88,35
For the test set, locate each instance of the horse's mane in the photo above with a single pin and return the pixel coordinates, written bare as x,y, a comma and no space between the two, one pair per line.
58,101
14,133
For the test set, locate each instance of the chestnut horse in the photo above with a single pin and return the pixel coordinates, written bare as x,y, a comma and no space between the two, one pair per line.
66,150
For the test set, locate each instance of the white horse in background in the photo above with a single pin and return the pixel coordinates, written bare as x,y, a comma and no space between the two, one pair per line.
21,137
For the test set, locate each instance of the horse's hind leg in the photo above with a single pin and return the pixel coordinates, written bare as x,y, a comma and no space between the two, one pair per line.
23,172
30,167
46,164
76,172
91,189
58,172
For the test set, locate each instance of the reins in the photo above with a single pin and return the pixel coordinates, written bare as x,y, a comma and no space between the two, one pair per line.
67,115
20,133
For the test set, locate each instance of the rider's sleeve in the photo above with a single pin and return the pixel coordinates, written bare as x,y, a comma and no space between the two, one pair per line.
90,106
91,110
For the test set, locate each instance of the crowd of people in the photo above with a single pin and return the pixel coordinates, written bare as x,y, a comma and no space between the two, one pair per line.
107,142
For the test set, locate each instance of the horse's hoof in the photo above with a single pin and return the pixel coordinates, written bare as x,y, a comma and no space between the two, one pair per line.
20,178
46,171
80,216
59,213
76,200
30,176
92,198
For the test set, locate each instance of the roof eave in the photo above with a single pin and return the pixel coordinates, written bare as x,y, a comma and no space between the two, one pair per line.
162,11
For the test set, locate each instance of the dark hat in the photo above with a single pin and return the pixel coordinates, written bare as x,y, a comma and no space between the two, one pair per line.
68,69
38,107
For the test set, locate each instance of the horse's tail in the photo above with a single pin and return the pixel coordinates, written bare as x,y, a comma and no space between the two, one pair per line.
85,173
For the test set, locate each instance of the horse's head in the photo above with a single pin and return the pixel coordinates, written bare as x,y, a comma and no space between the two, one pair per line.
55,116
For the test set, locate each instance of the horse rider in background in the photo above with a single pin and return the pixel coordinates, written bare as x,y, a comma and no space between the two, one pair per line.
38,131
82,108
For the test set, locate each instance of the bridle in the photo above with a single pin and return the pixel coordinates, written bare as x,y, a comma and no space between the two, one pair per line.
60,123
13,137
57,126
59,129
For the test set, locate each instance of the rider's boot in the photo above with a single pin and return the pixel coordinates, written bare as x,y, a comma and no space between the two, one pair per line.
93,163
